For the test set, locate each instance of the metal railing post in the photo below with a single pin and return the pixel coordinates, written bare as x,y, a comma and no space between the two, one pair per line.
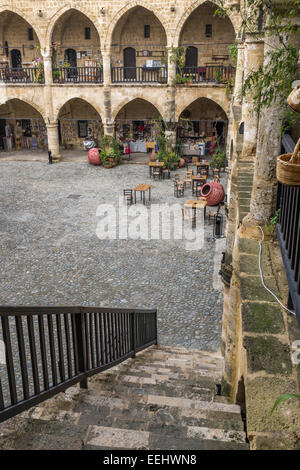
81,347
133,332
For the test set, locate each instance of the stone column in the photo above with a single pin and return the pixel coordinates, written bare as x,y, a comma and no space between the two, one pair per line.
239,75
254,50
171,69
106,56
47,58
53,140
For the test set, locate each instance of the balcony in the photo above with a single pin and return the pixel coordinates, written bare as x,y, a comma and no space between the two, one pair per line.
22,75
78,75
208,74
139,74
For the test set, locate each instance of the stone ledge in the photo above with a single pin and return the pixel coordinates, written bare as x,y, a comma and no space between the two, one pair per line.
262,318
261,394
267,353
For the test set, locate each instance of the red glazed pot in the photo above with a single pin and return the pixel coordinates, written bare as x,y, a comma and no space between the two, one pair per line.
213,192
181,162
93,157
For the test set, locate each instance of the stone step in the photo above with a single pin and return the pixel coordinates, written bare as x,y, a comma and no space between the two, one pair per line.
163,399
109,438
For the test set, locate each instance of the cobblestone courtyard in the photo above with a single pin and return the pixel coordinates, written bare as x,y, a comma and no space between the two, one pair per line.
50,254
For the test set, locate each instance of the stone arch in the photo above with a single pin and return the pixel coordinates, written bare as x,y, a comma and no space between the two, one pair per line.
118,16
140,96
25,17
59,107
233,18
57,16
30,103
219,100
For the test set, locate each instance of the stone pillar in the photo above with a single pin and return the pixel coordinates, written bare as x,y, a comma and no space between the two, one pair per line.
263,197
53,140
106,55
47,57
109,129
239,75
254,50
171,69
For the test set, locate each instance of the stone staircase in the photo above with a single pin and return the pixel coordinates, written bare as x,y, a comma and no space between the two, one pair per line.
164,399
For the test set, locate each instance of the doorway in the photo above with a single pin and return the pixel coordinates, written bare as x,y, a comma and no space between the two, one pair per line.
71,58
16,59
191,58
129,63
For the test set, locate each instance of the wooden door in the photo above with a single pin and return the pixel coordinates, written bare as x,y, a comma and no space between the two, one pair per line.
129,63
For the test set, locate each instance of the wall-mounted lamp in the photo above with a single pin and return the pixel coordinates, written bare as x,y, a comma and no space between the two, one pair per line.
40,13
102,11
172,8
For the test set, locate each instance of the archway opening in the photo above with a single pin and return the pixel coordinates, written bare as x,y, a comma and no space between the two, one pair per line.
202,122
138,47
136,126
207,37
20,52
22,127
79,121
76,51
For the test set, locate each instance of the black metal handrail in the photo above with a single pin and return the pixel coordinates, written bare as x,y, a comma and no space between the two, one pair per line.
209,73
78,75
48,349
22,75
288,231
139,74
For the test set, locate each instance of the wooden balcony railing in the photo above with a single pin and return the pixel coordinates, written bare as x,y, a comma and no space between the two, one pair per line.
78,75
21,75
209,73
139,74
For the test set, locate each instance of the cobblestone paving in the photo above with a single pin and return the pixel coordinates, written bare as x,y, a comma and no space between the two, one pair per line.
50,254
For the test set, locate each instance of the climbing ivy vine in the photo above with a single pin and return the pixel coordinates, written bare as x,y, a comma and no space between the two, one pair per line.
274,79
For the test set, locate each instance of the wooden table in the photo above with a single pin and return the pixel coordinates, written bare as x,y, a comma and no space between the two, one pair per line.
196,179
202,165
142,188
152,165
194,205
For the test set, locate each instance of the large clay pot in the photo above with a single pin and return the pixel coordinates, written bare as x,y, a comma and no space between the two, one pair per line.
93,157
294,99
213,192
181,162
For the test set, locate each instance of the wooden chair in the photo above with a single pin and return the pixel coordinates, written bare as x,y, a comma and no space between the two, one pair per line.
178,189
188,178
156,173
189,215
128,196
176,177
217,178
166,174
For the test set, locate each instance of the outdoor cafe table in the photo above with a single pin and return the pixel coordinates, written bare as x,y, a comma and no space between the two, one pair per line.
194,205
142,188
155,165
196,179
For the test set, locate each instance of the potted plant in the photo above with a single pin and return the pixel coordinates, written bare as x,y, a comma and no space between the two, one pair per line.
111,154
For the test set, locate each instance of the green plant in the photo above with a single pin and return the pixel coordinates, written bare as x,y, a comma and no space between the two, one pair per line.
219,159
273,222
282,398
218,75
274,79
110,150
233,51
170,159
